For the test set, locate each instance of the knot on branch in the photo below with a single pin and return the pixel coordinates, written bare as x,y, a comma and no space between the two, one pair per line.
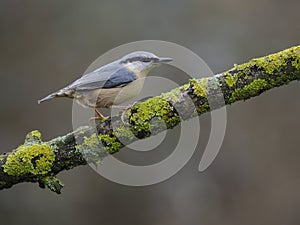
51,182
32,162
33,137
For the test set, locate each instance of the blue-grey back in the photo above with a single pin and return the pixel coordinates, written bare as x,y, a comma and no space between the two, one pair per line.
111,75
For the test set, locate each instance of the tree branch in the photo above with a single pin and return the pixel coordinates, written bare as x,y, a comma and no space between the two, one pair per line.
38,161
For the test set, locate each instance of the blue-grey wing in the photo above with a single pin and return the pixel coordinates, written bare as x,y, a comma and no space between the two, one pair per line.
106,77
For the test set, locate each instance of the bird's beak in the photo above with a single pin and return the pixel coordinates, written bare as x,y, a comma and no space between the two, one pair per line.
164,60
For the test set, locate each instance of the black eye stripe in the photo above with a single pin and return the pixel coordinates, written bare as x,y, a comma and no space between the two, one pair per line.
146,60
140,59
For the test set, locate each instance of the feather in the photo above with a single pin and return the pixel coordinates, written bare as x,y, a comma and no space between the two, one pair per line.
109,76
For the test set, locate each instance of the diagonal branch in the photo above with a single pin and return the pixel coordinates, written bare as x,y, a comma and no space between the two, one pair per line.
38,161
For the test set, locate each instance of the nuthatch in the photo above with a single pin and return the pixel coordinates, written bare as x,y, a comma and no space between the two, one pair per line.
111,84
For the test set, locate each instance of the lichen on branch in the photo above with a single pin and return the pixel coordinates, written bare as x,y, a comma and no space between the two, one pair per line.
40,162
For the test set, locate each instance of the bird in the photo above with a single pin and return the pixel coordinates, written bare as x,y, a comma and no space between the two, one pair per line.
111,84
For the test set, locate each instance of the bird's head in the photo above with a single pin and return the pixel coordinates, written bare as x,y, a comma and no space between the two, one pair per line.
143,61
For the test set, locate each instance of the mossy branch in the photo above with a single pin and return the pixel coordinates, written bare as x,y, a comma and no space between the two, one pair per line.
38,161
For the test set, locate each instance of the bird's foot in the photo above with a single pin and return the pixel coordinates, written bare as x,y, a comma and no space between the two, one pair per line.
102,119
98,117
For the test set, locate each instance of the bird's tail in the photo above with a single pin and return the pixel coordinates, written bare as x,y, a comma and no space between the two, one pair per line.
61,93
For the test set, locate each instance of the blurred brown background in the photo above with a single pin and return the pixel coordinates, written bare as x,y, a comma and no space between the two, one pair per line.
254,180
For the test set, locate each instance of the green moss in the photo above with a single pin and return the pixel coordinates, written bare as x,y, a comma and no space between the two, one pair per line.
90,149
230,79
36,134
93,145
203,108
81,132
110,144
199,86
296,64
296,56
185,87
51,182
36,159
124,133
33,137
293,53
253,89
155,107
92,141
172,96
272,63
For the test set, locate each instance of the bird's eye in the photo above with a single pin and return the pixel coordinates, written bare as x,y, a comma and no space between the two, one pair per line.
128,61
